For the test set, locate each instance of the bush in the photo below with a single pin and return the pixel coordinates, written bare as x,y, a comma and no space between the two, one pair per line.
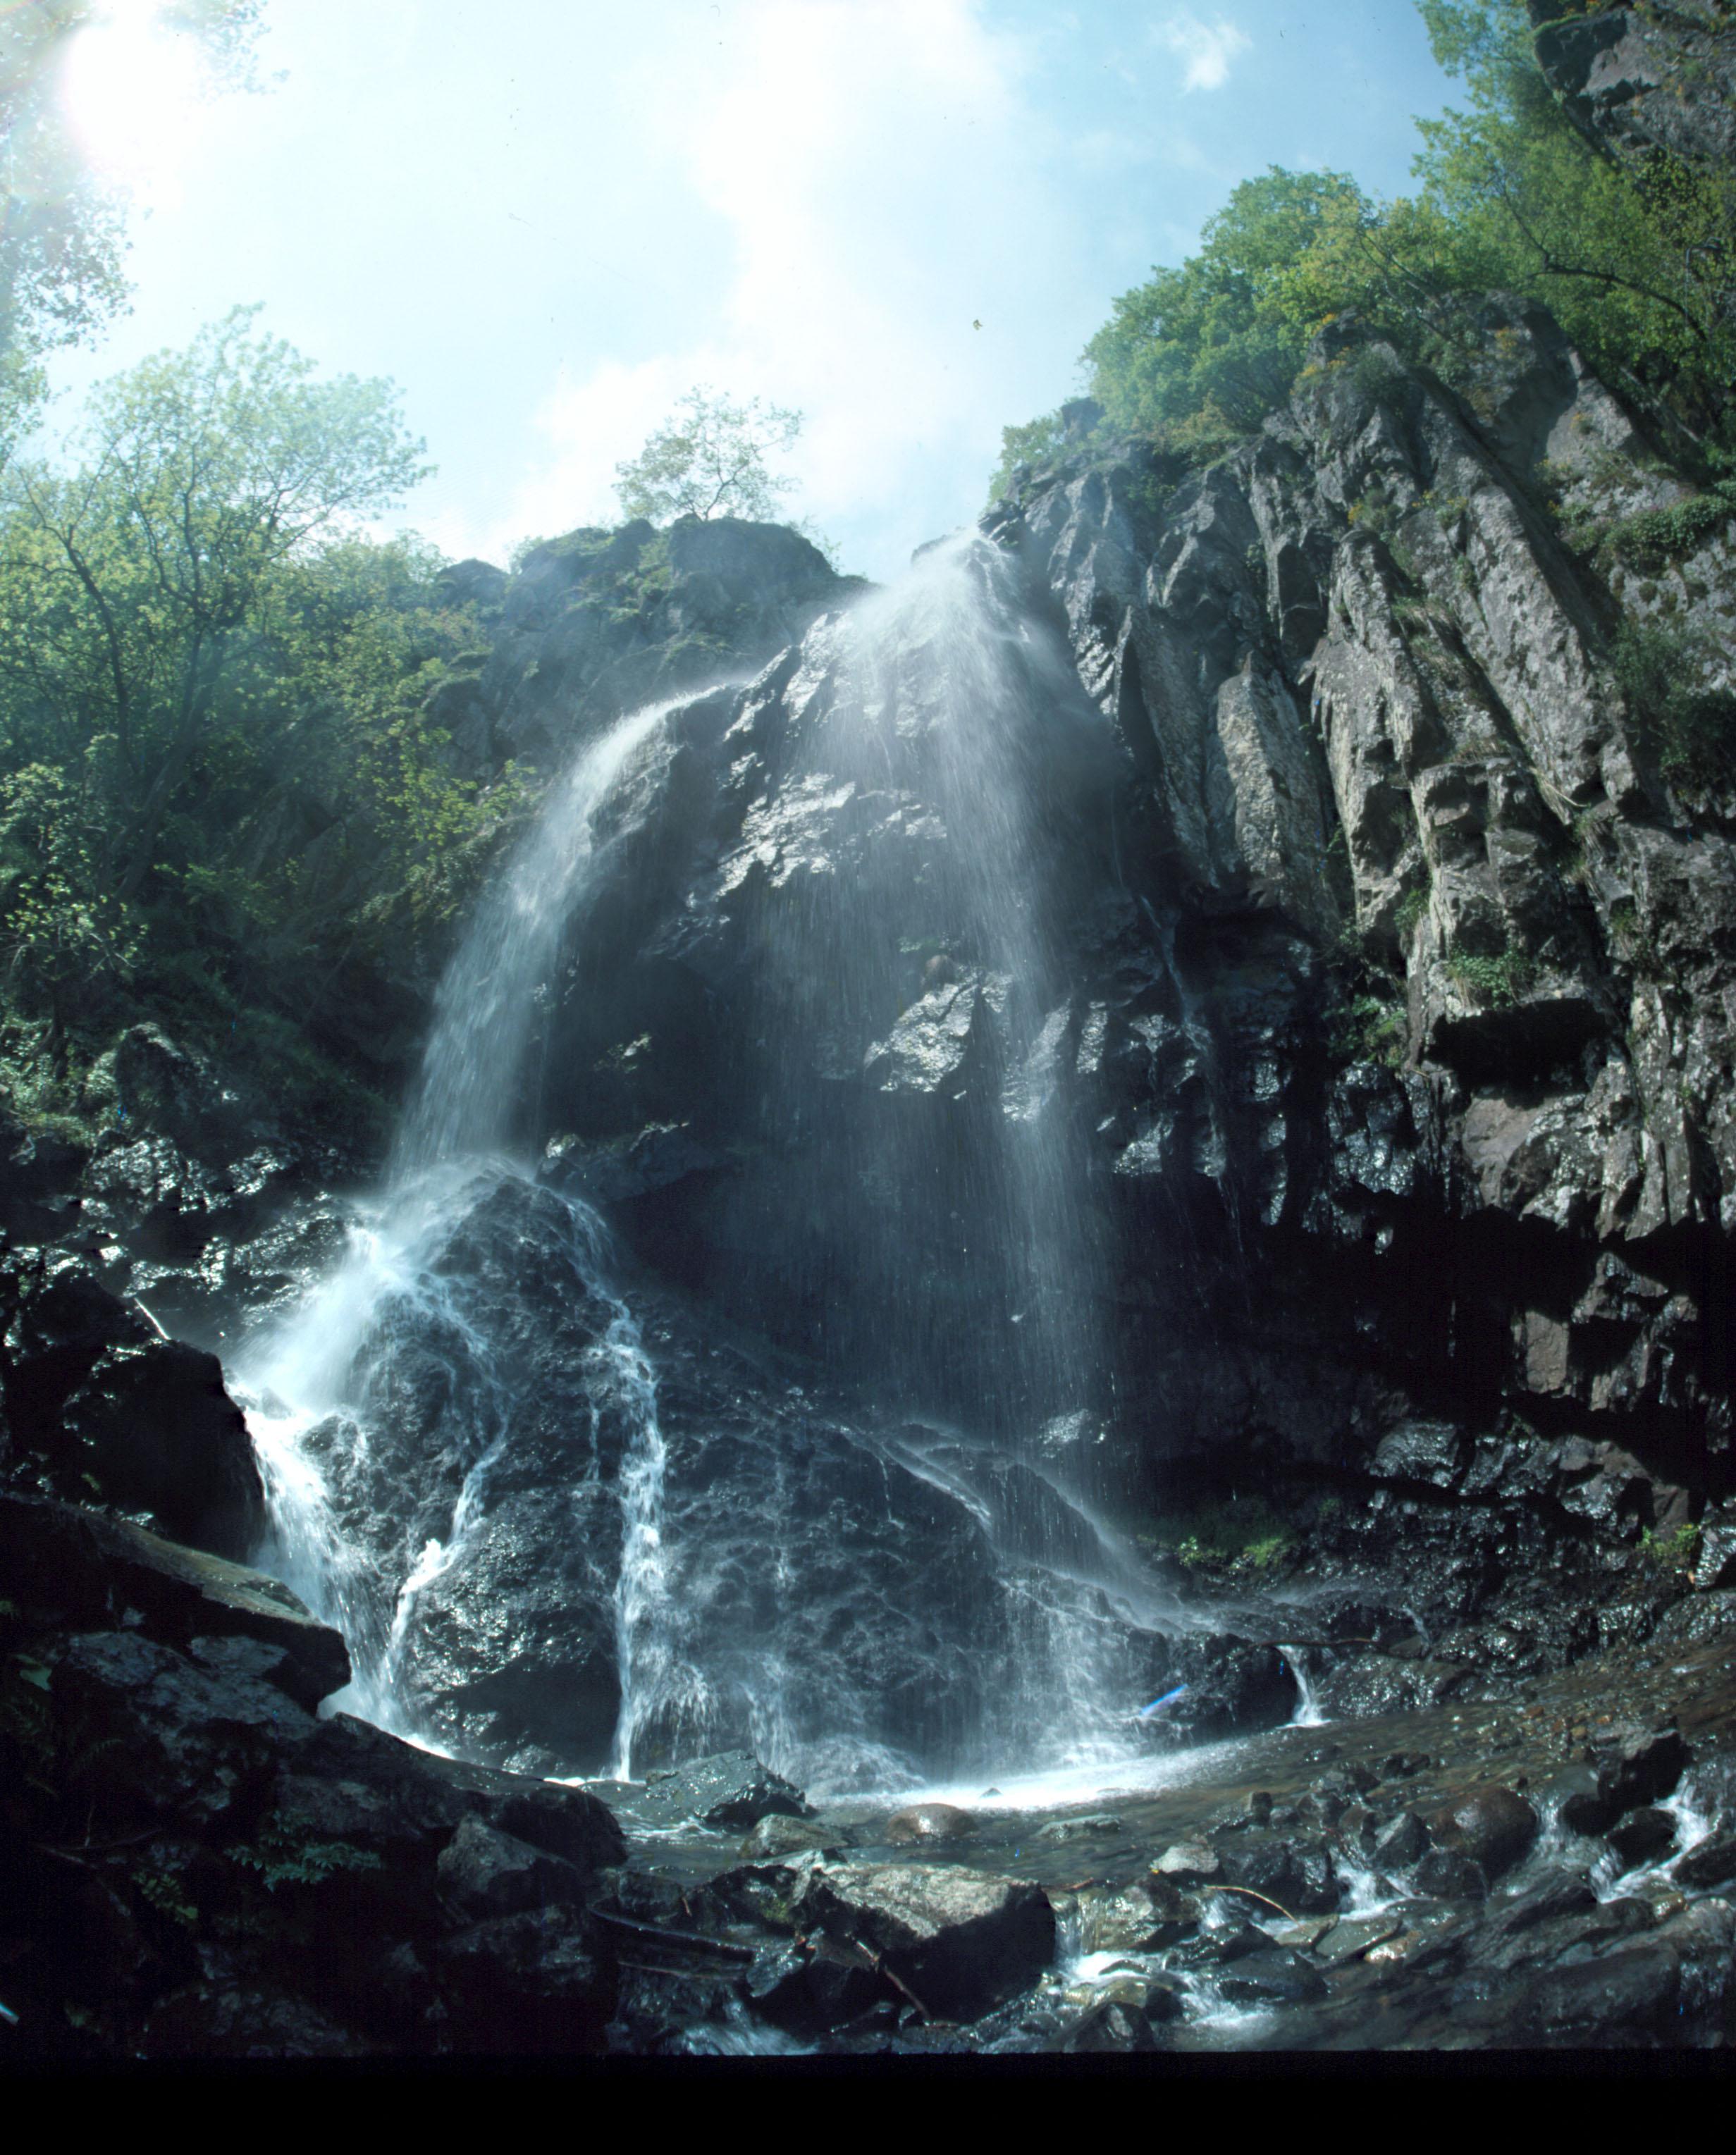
1667,674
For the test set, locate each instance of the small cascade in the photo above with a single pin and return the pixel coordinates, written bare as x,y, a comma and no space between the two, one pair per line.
411,1330
1307,1713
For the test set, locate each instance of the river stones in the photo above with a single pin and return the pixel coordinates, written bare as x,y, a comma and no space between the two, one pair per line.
1087,1828
1642,1836
960,1941
777,1834
929,1822
1132,1919
1189,1863
727,1788
483,1872
1492,1826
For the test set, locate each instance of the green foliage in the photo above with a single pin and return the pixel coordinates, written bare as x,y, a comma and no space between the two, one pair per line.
283,1855
1412,906
709,461
168,1897
216,736
1510,197
1037,443
1498,979
1654,538
1242,1531
1670,1552
1199,356
1666,671
1371,1029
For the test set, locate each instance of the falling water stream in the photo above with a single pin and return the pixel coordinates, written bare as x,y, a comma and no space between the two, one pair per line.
310,1379
400,1411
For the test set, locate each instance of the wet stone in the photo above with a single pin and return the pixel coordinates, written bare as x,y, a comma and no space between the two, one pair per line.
1642,1837
1080,1829
1131,1920
929,1822
729,1789
1304,1936
1446,1874
1353,1936
962,1940
1404,1843
1273,1977
483,1872
1711,1863
1189,1863
1494,1826
777,1834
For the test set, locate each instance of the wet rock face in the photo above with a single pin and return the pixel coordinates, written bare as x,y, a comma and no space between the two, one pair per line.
254,1881
961,1940
99,1403
1352,680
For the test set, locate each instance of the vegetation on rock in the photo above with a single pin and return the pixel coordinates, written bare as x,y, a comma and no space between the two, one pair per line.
1513,195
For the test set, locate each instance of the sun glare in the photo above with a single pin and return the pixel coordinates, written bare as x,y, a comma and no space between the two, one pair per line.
131,90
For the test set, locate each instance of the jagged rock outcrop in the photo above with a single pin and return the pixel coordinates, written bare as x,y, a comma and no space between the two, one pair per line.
1645,77
1389,959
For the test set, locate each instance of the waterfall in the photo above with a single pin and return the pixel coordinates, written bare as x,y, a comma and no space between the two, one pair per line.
322,1384
567,1533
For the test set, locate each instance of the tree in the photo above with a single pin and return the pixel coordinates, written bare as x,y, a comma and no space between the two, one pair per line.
709,461
132,589
1513,196
62,230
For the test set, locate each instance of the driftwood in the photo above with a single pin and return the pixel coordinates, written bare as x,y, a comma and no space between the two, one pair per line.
691,1939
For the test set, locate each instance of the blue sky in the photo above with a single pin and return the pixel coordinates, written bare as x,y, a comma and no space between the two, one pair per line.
546,219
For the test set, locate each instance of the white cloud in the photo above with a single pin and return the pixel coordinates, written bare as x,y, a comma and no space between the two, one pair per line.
877,172
1205,49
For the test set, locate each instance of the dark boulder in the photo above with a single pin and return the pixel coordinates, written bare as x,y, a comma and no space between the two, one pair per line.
1644,1837
962,1940
483,1872
98,1402
1300,1879
1494,1826
65,1567
929,1822
729,1789
536,1982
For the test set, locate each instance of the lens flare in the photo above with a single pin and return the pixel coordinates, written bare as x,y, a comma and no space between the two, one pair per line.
131,89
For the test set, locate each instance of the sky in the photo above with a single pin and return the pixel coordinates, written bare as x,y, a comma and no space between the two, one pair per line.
548,219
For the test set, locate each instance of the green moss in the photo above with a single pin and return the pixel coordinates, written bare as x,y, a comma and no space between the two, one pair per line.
1244,1531
1371,1029
1654,538
1670,1552
1412,906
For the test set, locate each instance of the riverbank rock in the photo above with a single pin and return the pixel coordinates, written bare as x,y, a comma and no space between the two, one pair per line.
200,1866
729,1789
962,1940
918,1822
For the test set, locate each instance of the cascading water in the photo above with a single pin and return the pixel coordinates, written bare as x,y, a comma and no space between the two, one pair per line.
401,1328
569,1535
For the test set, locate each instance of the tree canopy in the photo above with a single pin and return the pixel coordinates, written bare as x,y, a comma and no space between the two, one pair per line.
1511,196
215,738
62,228
709,460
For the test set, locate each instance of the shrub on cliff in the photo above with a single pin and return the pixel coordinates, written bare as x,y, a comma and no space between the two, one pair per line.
1630,255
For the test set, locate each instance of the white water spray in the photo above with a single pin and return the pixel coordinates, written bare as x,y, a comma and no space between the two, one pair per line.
310,1381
